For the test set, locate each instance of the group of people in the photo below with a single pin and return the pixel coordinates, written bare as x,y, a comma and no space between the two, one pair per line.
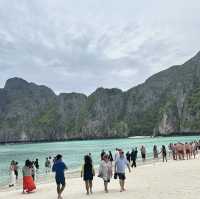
180,150
88,172
107,170
132,157
14,170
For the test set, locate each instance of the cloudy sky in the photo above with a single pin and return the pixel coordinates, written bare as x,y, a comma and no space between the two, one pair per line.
79,45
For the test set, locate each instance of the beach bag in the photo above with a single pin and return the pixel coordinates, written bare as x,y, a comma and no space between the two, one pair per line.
115,176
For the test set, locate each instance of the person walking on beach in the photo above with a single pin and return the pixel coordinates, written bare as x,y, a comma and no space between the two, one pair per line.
110,157
180,151
116,153
120,165
28,183
194,149
128,156
16,170
105,171
188,150
37,166
155,152
164,153
59,168
12,174
87,173
33,170
51,162
102,154
173,150
143,153
47,165
134,157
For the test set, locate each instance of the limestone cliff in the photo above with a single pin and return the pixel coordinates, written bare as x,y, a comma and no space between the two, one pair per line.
166,103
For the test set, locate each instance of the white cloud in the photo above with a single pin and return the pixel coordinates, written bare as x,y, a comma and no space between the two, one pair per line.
81,45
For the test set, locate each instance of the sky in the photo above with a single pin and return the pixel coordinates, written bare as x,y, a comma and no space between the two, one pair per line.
80,45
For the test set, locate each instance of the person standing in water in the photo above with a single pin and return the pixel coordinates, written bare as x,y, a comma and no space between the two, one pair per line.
120,165
59,168
12,174
87,173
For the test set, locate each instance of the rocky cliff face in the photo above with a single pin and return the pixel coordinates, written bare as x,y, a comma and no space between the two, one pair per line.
167,103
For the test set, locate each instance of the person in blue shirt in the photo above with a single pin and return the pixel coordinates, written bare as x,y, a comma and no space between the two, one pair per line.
59,168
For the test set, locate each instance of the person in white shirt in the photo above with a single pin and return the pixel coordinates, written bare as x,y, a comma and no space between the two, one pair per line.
116,154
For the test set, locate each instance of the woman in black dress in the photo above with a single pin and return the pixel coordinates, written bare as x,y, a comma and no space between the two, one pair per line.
87,173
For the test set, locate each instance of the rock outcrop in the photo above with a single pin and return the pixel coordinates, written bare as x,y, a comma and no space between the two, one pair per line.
166,103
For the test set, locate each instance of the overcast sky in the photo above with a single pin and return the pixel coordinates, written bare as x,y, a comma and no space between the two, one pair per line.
79,45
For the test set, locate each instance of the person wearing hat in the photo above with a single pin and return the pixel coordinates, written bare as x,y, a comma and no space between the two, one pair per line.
59,168
120,165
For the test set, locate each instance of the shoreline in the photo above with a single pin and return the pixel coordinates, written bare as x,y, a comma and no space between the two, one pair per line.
99,138
62,140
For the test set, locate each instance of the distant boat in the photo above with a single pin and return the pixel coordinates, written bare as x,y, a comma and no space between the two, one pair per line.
140,137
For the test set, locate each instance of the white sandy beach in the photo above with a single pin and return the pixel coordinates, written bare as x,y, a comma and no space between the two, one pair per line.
174,180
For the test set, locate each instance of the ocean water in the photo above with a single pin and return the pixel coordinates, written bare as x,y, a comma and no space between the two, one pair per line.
74,151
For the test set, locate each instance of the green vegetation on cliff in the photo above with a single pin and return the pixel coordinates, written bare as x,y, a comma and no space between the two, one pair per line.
166,103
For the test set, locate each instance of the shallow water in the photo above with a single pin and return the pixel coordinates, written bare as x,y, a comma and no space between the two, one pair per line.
73,151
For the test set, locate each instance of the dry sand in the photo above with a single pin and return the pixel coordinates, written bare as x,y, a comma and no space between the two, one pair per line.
172,180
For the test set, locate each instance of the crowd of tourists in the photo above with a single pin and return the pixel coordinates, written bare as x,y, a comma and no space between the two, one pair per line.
107,169
14,170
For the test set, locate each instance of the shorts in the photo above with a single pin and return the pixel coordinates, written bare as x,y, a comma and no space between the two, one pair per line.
121,176
187,151
143,156
60,181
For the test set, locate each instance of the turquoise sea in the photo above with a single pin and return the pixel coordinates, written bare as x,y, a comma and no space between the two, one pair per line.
73,151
